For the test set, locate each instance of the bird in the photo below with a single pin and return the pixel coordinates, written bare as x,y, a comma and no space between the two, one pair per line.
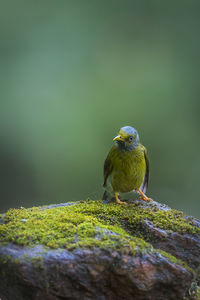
126,167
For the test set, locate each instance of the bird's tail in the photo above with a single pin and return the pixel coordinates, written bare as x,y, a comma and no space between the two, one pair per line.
105,196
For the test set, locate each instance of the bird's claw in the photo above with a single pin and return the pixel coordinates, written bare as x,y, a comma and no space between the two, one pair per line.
145,198
119,201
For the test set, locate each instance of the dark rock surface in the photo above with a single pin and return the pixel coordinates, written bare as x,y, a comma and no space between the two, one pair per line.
40,273
89,274
183,246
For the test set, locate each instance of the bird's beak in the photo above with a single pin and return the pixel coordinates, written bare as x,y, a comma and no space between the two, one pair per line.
118,138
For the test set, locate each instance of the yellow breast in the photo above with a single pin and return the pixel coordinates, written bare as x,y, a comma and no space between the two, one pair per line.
129,169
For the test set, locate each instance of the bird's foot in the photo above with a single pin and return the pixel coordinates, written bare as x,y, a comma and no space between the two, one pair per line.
119,201
144,197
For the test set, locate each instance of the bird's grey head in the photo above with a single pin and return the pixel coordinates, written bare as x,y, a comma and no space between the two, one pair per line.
127,138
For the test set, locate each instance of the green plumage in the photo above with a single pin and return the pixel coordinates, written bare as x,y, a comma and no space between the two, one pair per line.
126,170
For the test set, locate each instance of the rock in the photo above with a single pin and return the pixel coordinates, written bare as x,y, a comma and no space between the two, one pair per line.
93,250
183,246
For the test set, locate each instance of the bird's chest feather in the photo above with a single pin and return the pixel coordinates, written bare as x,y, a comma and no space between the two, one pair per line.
128,170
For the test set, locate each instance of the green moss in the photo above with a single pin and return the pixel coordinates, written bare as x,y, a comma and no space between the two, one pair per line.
131,216
175,260
193,293
86,225
5,259
37,262
65,227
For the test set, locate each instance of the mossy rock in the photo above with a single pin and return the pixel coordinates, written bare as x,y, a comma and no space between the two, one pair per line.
138,229
82,223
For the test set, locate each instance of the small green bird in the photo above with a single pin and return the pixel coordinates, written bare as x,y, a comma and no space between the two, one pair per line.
126,167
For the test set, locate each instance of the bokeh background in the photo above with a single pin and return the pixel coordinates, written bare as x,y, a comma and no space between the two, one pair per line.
73,72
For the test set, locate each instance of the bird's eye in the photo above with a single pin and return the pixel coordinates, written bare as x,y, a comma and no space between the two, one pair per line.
130,138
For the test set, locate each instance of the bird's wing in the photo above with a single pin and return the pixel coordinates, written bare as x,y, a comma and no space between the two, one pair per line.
108,167
144,185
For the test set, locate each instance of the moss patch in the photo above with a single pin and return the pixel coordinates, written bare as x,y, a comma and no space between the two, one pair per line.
88,224
175,260
65,227
132,216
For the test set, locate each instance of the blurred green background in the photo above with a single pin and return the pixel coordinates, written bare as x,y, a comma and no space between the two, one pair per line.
73,72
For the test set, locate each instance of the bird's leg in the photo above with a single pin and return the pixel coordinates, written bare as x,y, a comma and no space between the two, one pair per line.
144,197
117,200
